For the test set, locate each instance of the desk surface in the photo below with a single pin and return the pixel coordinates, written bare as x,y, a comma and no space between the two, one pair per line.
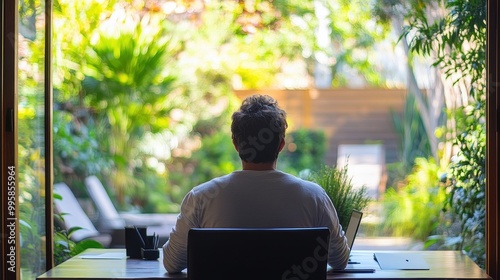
443,265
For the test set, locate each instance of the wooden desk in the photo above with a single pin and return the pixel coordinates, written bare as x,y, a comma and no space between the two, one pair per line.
443,265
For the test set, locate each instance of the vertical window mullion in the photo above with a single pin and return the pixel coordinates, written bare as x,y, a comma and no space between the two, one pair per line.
49,156
493,142
10,188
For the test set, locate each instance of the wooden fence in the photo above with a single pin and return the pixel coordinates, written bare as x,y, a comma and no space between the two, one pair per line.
347,116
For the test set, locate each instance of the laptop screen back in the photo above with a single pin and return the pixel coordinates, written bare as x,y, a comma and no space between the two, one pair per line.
352,228
249,254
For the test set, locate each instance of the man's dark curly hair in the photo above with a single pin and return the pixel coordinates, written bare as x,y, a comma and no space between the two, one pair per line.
258,128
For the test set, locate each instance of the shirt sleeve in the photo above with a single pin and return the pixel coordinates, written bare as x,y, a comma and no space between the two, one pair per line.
175,249
338,251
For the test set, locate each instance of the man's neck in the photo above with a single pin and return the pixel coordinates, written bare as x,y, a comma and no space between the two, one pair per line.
258,166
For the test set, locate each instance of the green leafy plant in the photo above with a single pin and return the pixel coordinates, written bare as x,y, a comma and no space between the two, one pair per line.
467,178
76,148
464,225
338,185
64,247
32,240
127,84
415,208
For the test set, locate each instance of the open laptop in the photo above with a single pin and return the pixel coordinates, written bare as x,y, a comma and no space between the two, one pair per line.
352,227
351,232
271,253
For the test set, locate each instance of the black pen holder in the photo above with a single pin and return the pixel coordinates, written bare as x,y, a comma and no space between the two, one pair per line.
133,243
150,242
150,254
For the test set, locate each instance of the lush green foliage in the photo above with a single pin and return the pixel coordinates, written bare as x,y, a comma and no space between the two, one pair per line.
354,34
113,92
468,182
415,208
338,186
76,146
457,42
31,231
128,86
304,151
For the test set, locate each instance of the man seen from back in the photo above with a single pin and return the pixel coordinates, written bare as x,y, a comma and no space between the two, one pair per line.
259,195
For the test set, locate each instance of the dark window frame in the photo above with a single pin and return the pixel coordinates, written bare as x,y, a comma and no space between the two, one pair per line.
493,142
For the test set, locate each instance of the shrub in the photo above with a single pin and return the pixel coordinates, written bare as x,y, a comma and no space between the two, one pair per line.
415,208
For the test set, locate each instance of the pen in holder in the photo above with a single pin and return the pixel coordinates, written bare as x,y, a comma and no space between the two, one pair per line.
150,250
139,245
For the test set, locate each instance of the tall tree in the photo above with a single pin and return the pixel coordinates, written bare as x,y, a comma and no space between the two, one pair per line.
430,98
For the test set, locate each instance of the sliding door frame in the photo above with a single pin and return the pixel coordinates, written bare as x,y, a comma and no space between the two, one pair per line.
48,127
9,194
493,141
9,175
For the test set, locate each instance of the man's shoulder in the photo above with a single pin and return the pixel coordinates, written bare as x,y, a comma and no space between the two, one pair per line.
212,185
298,179
304,183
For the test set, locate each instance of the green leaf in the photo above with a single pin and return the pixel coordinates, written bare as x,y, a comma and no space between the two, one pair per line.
84,245
73,229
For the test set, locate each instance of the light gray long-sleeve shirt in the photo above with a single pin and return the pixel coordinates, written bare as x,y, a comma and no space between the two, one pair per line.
255,199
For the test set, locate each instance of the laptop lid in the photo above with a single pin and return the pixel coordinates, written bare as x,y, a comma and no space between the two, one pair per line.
353,226
277,253
401,260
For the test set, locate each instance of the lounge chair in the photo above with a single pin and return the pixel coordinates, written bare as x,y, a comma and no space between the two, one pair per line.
74,216
110,219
